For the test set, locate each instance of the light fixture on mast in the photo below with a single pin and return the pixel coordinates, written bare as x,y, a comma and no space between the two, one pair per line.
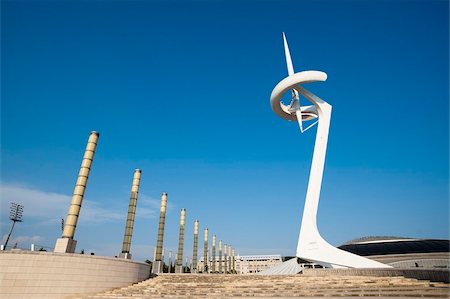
15,215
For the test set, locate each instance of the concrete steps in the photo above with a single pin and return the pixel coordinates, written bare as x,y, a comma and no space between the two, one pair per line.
222,286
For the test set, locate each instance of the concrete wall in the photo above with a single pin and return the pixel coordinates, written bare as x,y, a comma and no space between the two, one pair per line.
28,274
424,274
423,264
411,257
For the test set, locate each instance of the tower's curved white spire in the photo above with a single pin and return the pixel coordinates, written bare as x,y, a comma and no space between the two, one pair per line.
295,102
289,64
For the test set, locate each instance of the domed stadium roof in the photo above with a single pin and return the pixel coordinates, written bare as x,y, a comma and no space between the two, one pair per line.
395,245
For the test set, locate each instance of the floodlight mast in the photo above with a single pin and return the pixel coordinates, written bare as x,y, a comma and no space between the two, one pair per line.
15,215
311,246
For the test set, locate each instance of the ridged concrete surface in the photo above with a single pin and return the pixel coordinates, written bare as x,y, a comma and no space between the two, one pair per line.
437,275
226,286
50,275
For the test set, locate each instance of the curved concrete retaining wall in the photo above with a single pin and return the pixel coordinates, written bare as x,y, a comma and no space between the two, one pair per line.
393,258
425,274
425,264
28,274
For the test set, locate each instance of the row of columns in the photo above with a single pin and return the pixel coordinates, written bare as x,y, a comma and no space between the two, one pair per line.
225,262
158,261
170,267
67,244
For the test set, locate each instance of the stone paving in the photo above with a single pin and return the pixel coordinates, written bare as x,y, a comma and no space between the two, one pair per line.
226,286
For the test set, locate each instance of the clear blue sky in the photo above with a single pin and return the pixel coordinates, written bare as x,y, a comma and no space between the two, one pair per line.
181,90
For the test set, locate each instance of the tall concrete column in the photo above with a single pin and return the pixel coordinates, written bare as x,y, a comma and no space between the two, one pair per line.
154,259
213,255
179,265
233,262
66,243
163,259
159,262
131,213
205,250
170,261
194,253
229,258
220,256
225,259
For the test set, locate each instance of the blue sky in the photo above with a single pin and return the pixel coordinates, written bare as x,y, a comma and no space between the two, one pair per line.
181,90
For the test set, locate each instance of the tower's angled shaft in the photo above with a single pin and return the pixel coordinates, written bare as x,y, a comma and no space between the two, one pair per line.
179,264
158,268
194,253
131,214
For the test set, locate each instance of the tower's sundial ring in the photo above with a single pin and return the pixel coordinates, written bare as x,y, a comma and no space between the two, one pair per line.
290,83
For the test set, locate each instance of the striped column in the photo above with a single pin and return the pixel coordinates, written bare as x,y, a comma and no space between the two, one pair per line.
131,214
159,262
179,263
194,253
205,254
220,256
213,255
80,187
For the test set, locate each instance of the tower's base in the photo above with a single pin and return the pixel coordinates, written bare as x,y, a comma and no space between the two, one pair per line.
157,267
65,245
125,255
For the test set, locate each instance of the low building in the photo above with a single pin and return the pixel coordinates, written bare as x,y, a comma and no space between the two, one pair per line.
247,264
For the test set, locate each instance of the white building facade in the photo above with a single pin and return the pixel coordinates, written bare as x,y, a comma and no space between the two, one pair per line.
246,264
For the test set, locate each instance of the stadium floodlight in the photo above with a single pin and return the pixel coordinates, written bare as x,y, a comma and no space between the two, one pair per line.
311,246
15,214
